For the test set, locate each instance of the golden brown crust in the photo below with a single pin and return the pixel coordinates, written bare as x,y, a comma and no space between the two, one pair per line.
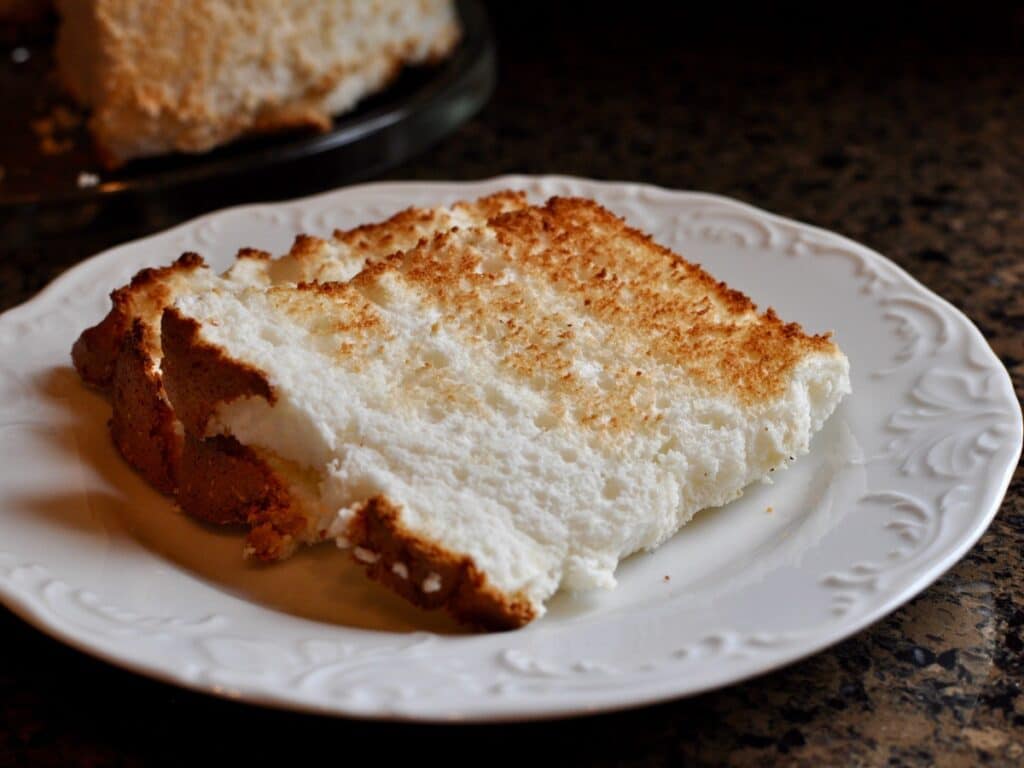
142,423
306,247
649,303
253,253
225,483
198,376
461,588
383,236
684,316
202,492
222,481
497,203
95,352
402,230
117,355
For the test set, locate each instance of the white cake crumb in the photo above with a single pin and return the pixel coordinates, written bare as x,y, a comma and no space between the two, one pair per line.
20,55
432,583
87,180
364,555
400,570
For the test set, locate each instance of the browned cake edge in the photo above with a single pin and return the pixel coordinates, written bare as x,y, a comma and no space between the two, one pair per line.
224,480
221,480
142,422
404,561
95,352
114,355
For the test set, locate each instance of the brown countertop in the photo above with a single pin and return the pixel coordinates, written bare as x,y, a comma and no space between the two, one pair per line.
909,139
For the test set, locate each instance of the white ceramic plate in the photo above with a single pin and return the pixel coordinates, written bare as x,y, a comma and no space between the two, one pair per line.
901,482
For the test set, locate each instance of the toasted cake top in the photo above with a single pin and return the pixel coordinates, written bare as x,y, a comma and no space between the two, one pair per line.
598,319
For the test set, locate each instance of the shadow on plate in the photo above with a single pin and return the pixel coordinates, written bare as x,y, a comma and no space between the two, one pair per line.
319,583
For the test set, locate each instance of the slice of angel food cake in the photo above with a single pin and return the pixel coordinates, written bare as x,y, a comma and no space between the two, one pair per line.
498,412
122,354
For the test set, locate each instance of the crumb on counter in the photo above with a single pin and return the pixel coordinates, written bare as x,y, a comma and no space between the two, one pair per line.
666,577
20,55
770,510
87,180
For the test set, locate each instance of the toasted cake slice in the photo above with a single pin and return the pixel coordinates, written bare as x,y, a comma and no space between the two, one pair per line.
122,354
504,410
188,75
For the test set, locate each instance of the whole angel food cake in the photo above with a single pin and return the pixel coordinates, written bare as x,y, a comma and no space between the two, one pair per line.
188,75
507,402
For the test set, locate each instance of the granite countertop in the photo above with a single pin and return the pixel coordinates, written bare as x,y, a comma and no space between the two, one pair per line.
913,145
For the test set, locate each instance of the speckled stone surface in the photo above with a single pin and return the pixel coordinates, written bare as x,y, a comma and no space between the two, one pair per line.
908,138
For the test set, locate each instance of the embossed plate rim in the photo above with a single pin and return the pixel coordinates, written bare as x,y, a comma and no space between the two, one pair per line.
553,686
